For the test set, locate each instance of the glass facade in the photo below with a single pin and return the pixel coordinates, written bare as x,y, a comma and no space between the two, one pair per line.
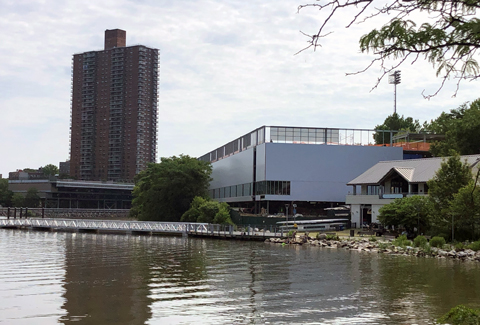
261,188
282,134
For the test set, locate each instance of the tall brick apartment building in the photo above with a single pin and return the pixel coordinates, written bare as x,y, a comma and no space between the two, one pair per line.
114,110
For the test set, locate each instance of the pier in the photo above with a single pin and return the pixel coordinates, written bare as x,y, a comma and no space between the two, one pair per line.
203,230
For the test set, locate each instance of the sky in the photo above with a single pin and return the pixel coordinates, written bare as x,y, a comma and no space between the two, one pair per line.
227,67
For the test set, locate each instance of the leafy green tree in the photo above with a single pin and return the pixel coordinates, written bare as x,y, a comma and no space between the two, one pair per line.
452,176
394,123
448,38
465,208
207,211
165,190
5,194
49,170
18,200
32,199
223,215
192,214
410,212
461,128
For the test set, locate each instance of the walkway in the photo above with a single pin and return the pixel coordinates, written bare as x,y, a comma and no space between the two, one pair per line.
147,227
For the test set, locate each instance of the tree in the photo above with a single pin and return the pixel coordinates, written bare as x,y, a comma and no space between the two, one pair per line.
49,170
452,176
32,199
410,212
18,200
165,190
461,128
465,208
192,214
394,123
448,40
207,211
5,194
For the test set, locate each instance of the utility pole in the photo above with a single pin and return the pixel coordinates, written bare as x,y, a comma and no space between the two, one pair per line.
395,79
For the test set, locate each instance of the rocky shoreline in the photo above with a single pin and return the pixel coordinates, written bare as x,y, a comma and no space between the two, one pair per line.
380,246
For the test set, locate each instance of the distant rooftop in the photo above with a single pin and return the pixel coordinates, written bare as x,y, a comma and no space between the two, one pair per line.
412,170
294,135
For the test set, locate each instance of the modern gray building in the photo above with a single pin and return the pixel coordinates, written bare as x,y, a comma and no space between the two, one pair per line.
272,166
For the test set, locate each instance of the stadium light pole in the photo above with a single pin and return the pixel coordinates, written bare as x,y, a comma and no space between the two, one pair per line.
395,78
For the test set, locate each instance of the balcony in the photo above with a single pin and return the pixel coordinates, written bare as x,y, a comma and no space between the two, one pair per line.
376,198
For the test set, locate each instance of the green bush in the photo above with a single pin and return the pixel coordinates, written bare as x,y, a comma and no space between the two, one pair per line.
427,249
402,241
459,247
461,315
372,239
475,246
437,242
383,245
420,241
332,237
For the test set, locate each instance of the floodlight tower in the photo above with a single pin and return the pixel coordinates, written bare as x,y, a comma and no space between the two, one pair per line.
395,79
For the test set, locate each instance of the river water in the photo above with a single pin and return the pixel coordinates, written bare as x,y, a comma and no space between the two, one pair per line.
79,278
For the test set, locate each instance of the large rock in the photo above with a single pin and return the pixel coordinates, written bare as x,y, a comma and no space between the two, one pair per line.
452,253
441,252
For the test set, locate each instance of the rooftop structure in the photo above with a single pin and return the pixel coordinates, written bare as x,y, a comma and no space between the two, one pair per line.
273,166
293,135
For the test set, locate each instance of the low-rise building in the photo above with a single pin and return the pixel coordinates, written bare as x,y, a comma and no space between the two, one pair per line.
77,194
389,180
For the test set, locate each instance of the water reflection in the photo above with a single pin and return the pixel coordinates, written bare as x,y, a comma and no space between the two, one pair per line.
118,279
106,280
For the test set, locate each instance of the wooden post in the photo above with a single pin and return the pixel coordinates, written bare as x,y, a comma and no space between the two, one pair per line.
8,213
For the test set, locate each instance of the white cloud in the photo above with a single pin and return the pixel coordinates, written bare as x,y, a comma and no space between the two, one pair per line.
226,68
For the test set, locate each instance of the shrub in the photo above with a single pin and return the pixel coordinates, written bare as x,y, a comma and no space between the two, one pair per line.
332,237
427,249
437,242
461,315
459,247
372,239
383,245
475,246
402,241
420,241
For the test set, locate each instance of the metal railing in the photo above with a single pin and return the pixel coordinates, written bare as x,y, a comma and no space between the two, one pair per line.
117,214
111,225
240,231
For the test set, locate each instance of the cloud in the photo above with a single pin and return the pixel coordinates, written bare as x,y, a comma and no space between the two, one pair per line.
226,68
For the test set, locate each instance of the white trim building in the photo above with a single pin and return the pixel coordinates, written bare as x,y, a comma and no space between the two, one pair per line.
388,180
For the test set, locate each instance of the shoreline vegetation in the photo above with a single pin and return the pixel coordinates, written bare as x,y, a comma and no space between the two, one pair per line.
420,247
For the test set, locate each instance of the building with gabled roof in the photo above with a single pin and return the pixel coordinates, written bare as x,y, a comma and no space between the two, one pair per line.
389,180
